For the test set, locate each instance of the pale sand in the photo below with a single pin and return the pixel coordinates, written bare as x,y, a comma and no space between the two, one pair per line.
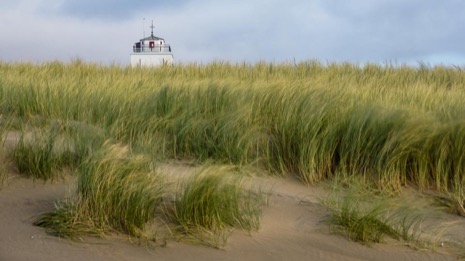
291,230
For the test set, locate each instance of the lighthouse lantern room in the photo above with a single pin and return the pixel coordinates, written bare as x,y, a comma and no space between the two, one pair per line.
151,51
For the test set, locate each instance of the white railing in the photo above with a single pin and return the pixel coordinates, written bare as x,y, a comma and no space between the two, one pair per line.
164,48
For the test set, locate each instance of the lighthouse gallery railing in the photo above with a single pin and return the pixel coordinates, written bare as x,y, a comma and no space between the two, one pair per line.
155,49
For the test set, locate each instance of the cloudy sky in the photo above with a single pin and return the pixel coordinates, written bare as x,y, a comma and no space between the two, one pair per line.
200,31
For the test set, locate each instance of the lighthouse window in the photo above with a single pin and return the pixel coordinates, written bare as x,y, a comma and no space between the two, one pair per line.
137,47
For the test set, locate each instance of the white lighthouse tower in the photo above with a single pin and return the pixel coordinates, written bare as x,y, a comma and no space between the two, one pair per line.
151,51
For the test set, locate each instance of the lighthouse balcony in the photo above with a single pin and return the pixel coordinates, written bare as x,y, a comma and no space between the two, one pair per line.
164,48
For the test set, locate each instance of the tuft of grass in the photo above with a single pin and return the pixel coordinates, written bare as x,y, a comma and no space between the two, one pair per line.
211,203
453,202
368,217
3,174
84,139
115,192
5,124
36,155
361,224
66,221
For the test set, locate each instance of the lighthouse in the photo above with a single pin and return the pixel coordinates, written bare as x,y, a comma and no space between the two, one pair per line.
151,51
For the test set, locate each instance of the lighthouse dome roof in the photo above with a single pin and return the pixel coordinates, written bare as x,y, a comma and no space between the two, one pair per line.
152,37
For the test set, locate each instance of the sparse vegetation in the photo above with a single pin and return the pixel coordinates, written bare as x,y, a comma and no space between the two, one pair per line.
120,192
37,156
210,203
115,192
3,177
5,124
370,217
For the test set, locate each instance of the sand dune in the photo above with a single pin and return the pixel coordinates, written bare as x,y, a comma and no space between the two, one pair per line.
291,230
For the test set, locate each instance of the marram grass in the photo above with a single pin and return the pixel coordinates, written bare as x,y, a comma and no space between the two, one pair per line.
210,203
367,217
44,149
39,154
120,192
5,125
116,191
393,125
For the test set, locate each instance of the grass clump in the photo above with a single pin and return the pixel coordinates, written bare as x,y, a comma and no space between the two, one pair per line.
67,221
115,192
361,224
3,176
369,216
5,125
84,139
37,155
212,202
41,152
453,202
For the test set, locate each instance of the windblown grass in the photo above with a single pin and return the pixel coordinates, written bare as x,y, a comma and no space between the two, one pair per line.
115,192
212,202
362,226
368,217
44,148
36,154
4,126
392,125
83,140
453,202
118,192
3,175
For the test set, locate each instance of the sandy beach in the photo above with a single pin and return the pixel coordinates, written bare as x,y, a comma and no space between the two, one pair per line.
292,229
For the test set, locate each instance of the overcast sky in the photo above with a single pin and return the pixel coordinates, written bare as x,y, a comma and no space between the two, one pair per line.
200,31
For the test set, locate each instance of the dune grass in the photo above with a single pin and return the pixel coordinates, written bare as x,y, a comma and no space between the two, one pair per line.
361,226
210,203
116,192
5,125
3,175
367,216
3,170
120,192
390,125
37,155
45,147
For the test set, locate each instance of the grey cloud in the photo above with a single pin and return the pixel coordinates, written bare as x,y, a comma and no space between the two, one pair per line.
352,30
113,9
243,30
395,29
